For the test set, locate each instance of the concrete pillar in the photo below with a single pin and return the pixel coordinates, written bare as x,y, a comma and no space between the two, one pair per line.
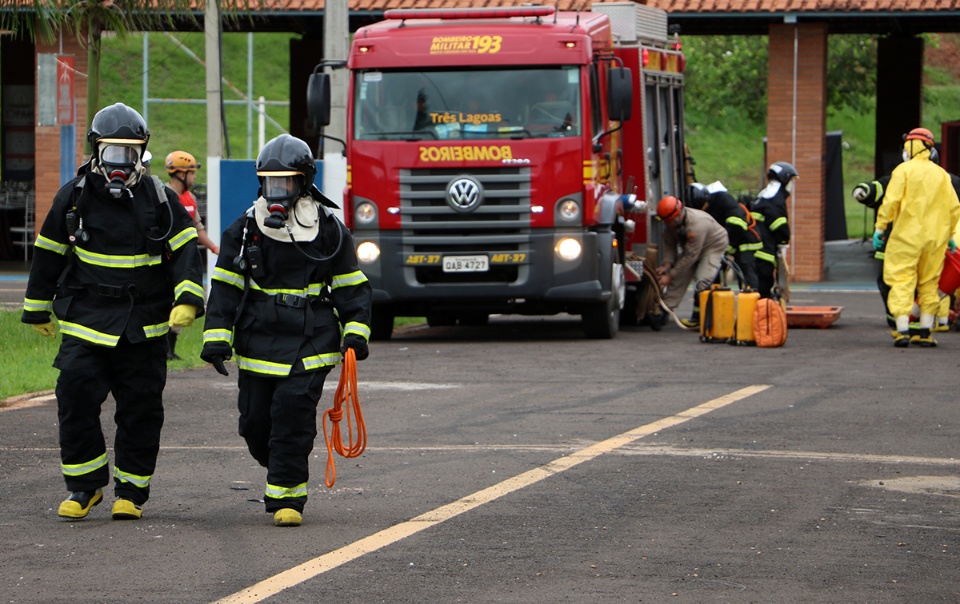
796,133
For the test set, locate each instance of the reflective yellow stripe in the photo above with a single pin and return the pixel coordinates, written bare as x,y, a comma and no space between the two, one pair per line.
182,238
90,335
139,481
354,278
187,287
275,492
879,189
736,220
80,469
218,335
95,259
750,247
766,257
730,249
779,222
155,331
228,277
46,243
264,367
37,305
355,327
758,216
317,361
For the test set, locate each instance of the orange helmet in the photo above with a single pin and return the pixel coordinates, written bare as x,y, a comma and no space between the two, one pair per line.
181,161
669,208
920,134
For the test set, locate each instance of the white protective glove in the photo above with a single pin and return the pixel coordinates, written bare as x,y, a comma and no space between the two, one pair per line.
861,191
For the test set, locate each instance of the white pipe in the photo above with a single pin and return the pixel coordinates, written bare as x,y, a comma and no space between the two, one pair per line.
261,126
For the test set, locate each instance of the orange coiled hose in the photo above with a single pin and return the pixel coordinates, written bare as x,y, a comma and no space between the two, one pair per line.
346,398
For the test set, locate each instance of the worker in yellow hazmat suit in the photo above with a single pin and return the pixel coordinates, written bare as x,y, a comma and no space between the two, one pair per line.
922,205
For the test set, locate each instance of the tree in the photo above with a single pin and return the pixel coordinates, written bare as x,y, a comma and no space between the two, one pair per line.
88,19
727,75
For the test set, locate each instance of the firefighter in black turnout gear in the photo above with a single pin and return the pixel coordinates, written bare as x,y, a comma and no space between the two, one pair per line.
714,199
116,261
769,209
288,297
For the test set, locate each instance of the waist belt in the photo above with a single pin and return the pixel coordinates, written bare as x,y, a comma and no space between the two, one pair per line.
298,301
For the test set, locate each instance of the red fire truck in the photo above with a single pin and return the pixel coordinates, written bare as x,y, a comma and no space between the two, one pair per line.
490,153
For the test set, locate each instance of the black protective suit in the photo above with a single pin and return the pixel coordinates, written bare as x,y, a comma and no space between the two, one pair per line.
770,212
741,231
284,315
112,290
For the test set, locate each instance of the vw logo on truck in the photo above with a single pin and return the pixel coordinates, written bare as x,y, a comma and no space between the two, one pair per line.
464,194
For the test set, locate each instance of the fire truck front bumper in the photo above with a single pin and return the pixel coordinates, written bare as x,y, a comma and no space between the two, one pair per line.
550,271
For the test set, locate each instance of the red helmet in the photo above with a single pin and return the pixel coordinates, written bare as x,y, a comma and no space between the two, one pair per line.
669,208
920,134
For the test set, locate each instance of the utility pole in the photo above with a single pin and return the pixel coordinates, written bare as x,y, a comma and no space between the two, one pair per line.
211,28
336,38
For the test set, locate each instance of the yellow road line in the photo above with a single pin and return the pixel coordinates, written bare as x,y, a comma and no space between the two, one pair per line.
321,564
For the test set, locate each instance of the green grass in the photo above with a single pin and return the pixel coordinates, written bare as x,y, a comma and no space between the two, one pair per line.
33,370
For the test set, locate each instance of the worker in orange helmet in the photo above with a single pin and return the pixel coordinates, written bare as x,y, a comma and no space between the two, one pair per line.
922,204
693,248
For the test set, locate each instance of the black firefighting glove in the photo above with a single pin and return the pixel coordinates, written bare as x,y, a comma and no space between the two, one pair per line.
358,344
216,353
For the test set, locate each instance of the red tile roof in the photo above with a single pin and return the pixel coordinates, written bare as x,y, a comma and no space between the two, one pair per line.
671,6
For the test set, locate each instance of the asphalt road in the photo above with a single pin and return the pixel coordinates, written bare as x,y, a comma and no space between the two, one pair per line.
522,463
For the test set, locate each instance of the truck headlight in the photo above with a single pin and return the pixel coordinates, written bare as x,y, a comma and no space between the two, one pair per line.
368,252
365,213
568,249
569,210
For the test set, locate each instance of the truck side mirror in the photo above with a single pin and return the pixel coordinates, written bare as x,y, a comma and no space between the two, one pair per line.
619,93
318,98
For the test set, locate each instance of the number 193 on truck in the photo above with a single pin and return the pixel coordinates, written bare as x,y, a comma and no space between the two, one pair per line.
489,156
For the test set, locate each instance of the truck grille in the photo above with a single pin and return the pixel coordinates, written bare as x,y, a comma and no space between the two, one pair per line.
500,224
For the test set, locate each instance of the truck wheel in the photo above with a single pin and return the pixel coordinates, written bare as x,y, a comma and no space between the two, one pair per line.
602,320
381,327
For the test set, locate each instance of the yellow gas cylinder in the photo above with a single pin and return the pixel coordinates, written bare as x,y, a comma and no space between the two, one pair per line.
746,302
717,314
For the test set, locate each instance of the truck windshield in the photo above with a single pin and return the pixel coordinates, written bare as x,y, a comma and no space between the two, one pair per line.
467,104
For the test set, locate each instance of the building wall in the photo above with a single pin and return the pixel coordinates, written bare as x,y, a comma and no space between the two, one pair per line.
47,138
802,143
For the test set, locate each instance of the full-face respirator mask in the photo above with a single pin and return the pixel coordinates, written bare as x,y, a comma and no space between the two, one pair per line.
281,193
121,166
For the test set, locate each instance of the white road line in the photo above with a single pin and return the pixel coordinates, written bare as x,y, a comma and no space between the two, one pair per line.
312,568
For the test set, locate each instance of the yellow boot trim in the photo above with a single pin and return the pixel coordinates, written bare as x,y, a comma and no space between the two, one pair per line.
72,510
287,517
124,509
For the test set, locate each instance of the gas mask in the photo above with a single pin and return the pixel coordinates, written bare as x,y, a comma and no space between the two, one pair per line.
121,166
280,192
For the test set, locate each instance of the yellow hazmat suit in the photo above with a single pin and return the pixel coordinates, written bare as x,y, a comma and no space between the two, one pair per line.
923,207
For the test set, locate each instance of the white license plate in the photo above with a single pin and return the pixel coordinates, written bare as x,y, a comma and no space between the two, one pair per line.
466,264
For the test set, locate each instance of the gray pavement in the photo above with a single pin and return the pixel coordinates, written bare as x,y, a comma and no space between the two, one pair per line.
519,462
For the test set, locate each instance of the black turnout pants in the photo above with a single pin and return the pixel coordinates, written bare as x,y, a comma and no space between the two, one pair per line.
135,374
278,420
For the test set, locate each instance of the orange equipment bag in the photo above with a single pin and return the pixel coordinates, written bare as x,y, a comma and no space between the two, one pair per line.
769,323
